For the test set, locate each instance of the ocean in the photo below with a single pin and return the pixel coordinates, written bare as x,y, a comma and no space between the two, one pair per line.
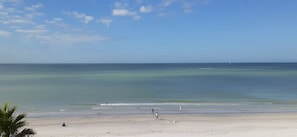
55,90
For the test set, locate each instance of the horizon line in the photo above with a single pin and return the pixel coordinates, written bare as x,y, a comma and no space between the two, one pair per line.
52,63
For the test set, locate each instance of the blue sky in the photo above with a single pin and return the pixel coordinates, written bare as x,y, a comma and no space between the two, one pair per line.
146,31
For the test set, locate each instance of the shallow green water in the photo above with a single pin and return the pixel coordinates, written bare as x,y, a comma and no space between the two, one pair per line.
136,88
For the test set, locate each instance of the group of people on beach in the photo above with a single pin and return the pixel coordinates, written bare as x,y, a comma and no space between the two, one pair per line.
153,112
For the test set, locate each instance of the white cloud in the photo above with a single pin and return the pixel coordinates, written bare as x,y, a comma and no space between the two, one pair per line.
17,21
162,14
62,39
14,14
3,14
124,9
56,21
105,21
12,1
23,20
120,5
187,7
32,31
40,26
137,17
166,3
145,9
5,33
125,12
83,17
122,12
34,7
1,6
38,29
87,19
33,14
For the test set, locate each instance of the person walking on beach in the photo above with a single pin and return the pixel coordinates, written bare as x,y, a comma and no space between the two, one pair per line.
157,115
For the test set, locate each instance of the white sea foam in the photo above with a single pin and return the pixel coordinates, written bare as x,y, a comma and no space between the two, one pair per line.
62,110
173,104
206,68
146,104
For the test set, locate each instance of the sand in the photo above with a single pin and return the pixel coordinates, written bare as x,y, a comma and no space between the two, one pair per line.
178,125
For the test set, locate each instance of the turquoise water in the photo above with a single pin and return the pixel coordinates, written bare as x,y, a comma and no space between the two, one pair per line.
104,89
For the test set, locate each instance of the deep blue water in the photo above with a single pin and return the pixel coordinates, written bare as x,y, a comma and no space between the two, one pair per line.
96,89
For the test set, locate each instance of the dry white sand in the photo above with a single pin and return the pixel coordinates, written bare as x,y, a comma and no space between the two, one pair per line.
250,125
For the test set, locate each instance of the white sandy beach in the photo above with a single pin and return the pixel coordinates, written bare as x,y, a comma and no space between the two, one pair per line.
239,125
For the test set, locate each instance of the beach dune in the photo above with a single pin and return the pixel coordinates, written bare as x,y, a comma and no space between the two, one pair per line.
227,125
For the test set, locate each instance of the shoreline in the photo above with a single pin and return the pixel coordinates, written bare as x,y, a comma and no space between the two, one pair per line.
172,125
120,109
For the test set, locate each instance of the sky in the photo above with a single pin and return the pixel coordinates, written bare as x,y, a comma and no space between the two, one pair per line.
147,31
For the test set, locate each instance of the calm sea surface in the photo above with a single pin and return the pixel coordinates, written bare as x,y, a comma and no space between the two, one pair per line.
106,89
